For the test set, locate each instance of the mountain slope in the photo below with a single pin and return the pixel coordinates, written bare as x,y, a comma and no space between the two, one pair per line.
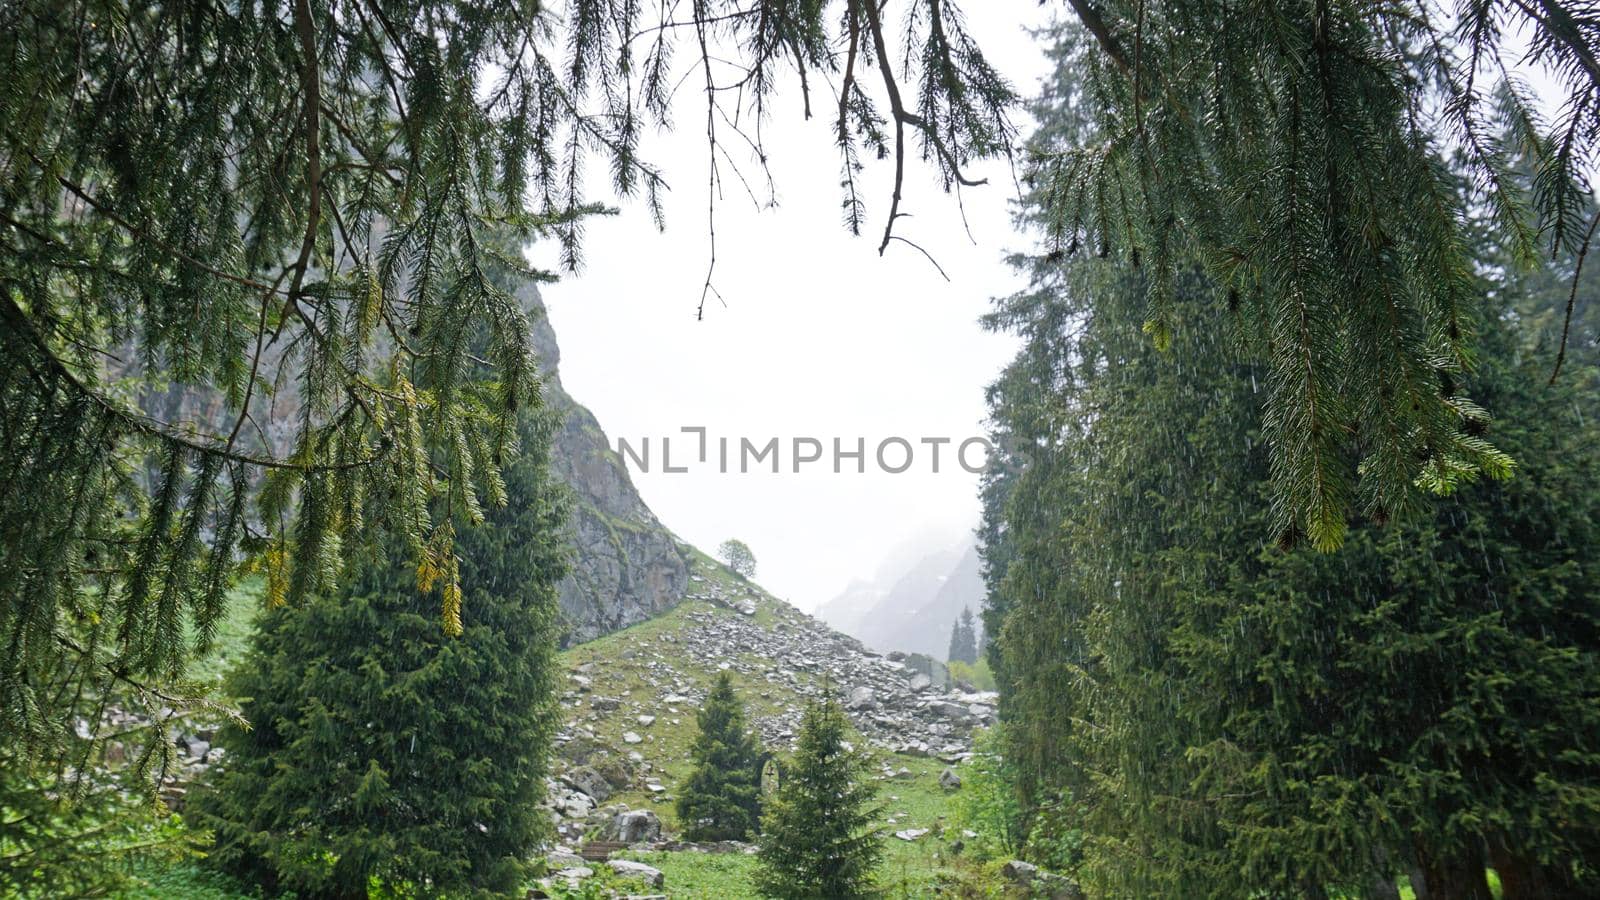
779,658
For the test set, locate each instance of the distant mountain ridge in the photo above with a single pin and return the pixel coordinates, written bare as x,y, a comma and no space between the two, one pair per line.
912,609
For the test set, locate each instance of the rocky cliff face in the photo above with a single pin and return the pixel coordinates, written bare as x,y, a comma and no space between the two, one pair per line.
627,567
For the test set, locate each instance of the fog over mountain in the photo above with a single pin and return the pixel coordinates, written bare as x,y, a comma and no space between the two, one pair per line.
914,598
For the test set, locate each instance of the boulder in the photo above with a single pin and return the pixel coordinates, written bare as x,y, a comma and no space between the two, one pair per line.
949,780
562,858
862,699
586,780
1018,872
1039,882
627,868
950,712
575,805
633,827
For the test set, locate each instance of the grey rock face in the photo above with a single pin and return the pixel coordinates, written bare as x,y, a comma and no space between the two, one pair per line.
626,565
634,826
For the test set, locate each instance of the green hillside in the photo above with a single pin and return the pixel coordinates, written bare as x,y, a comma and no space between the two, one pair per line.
778,658
633,666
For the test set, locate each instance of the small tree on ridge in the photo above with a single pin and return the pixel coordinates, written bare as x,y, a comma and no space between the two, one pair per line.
737,555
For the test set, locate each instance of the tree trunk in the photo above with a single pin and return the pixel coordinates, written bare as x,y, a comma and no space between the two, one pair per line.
1382,886
1454,876
1522,878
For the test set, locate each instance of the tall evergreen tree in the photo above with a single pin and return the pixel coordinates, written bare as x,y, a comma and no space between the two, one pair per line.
384,749
817,835
963,639
1236,713
721,798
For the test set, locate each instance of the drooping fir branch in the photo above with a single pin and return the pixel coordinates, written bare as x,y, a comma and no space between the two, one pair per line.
246,279
1298,149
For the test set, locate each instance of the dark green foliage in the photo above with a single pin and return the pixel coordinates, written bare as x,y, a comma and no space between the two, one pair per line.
385,750
1206,709
963,640
721,798
1223,715
82,844
1294,150
817,835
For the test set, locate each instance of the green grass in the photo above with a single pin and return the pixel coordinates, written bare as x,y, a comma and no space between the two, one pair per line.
186,881
232,638
703,876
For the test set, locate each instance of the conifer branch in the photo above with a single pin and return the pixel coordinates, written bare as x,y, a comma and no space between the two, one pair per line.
1096,24
897,113
1572,297
311,87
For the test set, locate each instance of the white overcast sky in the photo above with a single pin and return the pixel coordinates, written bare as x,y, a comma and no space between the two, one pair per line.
820,336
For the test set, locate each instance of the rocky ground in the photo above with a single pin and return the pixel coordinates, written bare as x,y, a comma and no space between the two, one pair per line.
631,697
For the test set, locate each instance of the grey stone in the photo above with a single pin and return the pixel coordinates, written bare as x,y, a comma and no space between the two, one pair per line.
627,868
862,699
576,805
634,826
949,780
586,780
1019,872
562,858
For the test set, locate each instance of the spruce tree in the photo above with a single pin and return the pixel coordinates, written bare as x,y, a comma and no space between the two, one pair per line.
1235,713
817,835
721,798
963,639
385,750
